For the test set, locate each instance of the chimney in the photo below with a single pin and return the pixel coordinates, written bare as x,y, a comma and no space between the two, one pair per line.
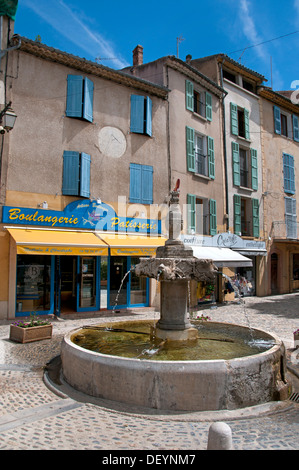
188,59
138,56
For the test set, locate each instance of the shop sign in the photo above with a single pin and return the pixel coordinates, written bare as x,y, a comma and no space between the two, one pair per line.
80,215
224,240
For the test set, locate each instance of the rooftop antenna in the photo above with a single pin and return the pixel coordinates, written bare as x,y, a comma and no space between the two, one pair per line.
178,42
98,59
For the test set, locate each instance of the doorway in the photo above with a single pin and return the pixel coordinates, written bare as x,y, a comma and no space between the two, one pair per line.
274,274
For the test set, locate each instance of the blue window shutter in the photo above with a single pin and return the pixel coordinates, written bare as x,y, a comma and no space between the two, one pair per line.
146,184
88,100
295,128
135,182
71,161
137,114
85,175
74,97
148,122
190,149
277,121
236,163
246,123
234,119
254,169
189,96
255,218
191,206
211,157
213,217
237,214
208,106
288,173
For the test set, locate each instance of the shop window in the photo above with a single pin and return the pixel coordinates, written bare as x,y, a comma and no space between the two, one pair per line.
76,174
198,101
79,101
141,115
141,183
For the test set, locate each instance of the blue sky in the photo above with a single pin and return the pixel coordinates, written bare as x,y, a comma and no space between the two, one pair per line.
111,30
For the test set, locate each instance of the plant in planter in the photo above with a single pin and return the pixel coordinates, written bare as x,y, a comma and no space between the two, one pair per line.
296,338
27,331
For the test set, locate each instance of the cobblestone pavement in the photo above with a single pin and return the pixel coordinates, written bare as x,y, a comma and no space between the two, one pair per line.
33,416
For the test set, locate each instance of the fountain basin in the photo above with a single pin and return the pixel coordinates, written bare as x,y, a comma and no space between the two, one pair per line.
180,385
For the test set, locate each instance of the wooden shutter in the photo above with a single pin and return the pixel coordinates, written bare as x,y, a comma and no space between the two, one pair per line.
237,214
135,182
236,163
211,157
254,169
295,128
137,114
146,184
71,163
208,106
255,218
288,173
277,121
88,100
148,122
190,149
234,119
74,98
246,123
213,217
191,205
189,95
85,175
291,217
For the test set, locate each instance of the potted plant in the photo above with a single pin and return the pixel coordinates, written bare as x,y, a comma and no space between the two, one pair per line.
296,338
27,331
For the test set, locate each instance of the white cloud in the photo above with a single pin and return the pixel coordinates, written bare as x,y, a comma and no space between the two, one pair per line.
249,29
68,23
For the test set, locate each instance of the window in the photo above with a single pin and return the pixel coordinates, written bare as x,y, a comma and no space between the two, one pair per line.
296,267
229,76
141,183
248,86
201,215
141,115
291,217
200,153
239,121
246,216
76,174
283,122
245,167
288,173
79,101
198,101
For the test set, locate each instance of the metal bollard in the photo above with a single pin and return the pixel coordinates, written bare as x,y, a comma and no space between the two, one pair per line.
220,437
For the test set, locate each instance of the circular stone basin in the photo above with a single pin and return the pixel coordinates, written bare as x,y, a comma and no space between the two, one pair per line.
228,367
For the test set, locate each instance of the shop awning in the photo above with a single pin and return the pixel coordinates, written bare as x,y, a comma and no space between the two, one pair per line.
222,257
57,242
131,245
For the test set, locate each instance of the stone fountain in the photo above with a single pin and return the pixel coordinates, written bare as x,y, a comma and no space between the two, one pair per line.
216,382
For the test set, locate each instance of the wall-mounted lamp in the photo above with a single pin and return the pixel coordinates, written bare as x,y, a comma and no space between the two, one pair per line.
7,119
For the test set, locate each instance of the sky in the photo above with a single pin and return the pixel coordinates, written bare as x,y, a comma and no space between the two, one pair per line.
263,35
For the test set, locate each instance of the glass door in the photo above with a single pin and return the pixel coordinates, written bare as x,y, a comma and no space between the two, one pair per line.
87,295
138,288
119,277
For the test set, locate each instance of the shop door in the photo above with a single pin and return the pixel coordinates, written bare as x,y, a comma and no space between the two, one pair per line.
87,283
274,273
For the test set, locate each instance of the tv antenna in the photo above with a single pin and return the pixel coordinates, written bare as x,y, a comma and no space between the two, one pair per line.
178,42
98,59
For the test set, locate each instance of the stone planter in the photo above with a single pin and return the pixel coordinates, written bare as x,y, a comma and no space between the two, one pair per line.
33,333
296,340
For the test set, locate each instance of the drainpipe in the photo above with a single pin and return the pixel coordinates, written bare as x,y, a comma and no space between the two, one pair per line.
224,149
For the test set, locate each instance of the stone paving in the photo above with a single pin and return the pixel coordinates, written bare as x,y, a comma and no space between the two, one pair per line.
35,416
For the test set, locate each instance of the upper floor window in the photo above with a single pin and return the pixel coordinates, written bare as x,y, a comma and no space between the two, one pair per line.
141,183
245,166
79,100
288,173
141,115
285,124
201,216
76,174
198,101
239,121
246,216
200,153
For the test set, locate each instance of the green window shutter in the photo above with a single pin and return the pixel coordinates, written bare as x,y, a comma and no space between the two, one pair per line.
237,214
189,96
211,157
234,119
85,175
191,205
208,106
246,123
236,163
190,149
213,217
295,128
277,121
255,218
254,169
71,176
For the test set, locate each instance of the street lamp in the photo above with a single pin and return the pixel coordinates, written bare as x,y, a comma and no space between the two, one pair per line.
7,119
